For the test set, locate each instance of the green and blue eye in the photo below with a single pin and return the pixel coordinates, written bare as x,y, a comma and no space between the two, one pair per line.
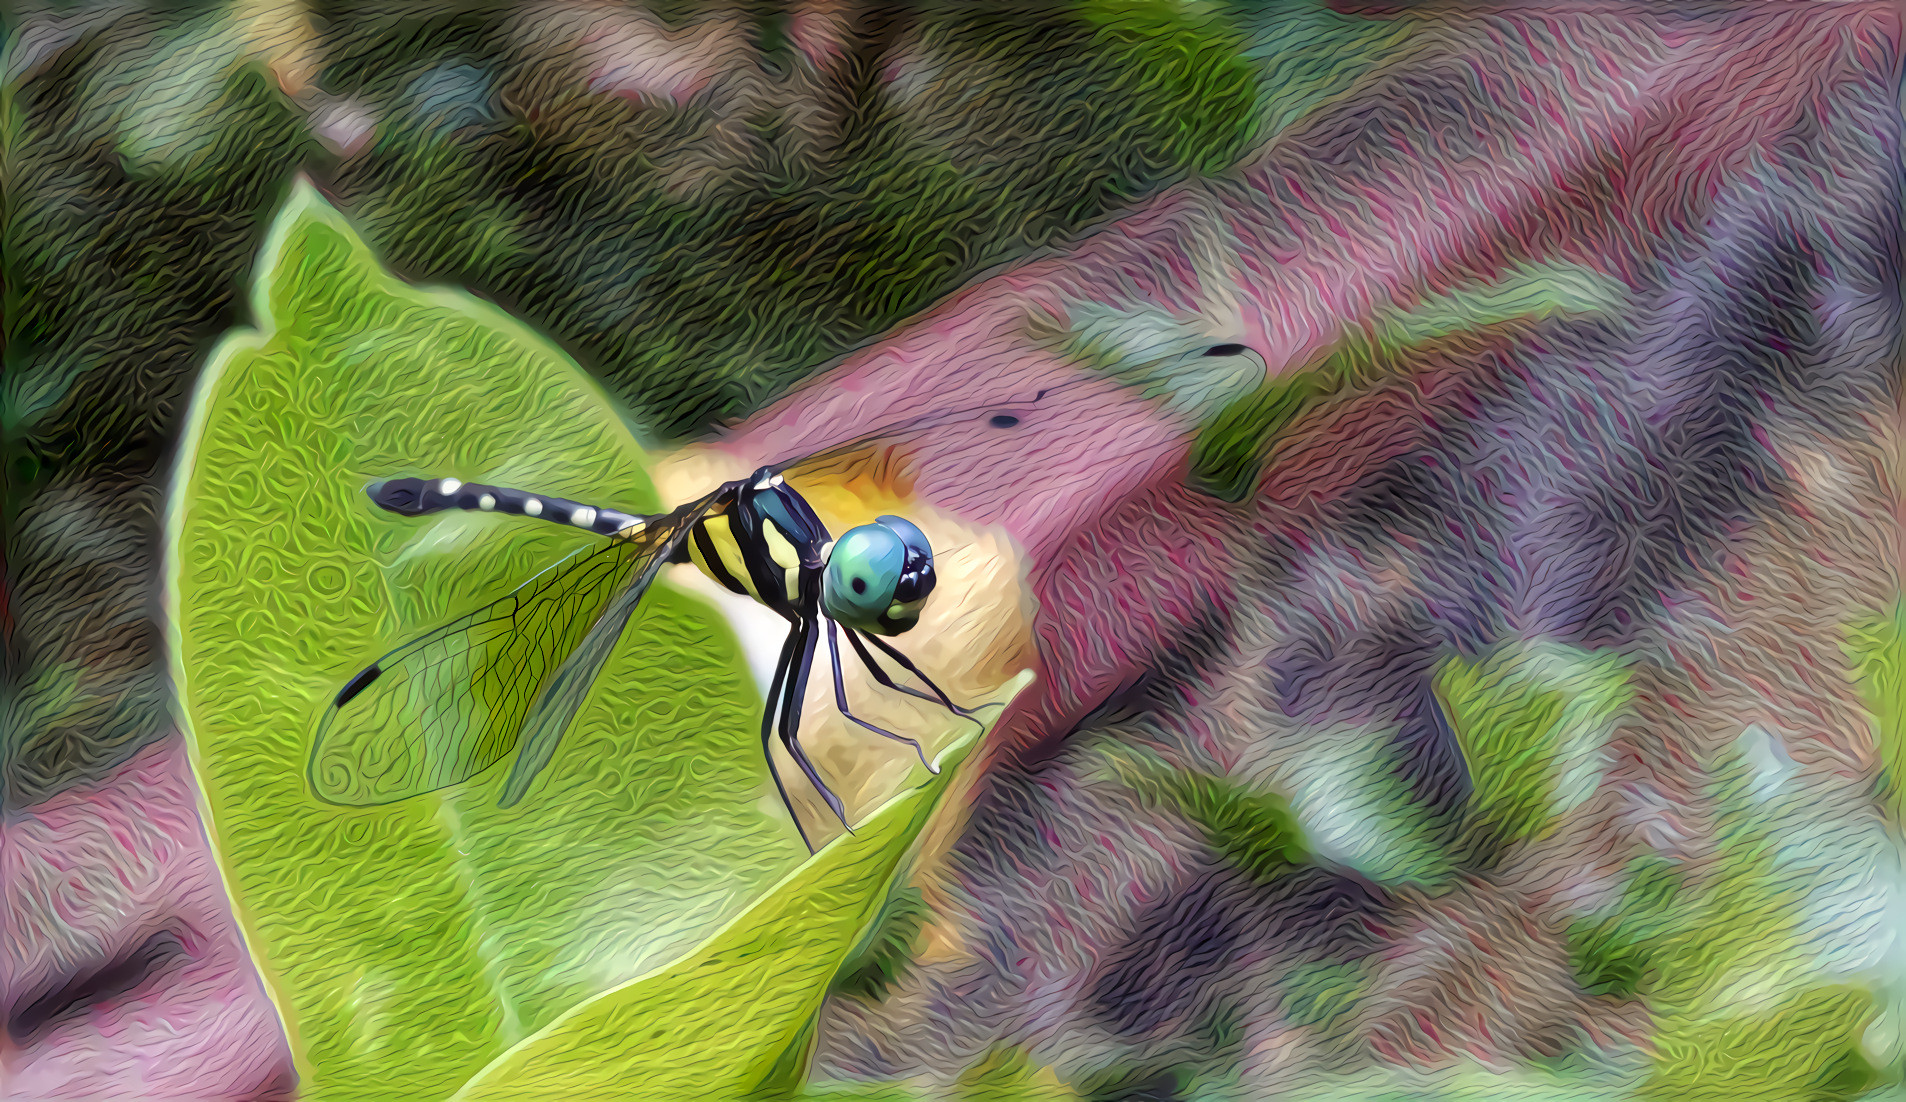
878,576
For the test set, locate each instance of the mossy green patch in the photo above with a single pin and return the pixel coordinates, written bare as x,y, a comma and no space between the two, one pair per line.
1256,830
1878,648
1612,953
731,1019
1531,721
1009,1074
1804,1047
408,945
1737,1008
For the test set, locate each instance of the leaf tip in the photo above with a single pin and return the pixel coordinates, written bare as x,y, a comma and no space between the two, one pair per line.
295,250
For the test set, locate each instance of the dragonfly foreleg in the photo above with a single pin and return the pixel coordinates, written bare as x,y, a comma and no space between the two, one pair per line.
881,675
840,699
791,719
769,713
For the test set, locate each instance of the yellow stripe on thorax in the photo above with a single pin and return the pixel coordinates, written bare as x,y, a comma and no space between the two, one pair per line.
786,556
727,549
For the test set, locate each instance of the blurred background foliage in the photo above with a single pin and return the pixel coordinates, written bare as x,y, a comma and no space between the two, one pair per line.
697,256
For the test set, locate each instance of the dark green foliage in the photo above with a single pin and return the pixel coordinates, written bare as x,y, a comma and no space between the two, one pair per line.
883,955
133,274
1255,831
551,199
119,274
698,308
1613,955
1193,68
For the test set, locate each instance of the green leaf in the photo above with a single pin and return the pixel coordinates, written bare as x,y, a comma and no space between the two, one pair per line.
409,945
717,1023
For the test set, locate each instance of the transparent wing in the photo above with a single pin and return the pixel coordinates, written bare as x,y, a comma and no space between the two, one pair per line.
556,707
448,705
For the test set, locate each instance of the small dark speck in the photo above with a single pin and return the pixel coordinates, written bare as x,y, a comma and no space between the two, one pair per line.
1224,350
1003,421
860,585
1039,396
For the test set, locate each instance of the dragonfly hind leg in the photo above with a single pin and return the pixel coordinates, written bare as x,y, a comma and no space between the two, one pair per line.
840,700
771,712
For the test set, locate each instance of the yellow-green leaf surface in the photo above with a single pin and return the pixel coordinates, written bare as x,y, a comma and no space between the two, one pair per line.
409,945
716,1023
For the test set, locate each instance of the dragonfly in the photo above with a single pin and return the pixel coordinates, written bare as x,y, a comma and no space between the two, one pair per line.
510,676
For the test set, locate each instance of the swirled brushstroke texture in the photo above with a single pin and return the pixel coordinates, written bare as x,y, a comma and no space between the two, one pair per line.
1459,547
1548,630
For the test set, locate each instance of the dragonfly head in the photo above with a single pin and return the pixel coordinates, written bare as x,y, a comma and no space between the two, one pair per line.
878,576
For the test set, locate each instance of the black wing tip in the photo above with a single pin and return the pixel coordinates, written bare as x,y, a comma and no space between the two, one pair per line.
357,685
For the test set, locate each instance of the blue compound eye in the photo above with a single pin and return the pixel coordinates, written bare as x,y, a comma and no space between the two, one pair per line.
910,534
916,577
878,576
863,570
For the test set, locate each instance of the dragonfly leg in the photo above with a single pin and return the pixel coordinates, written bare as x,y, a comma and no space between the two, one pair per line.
840,698
776,692
939,696
791,719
